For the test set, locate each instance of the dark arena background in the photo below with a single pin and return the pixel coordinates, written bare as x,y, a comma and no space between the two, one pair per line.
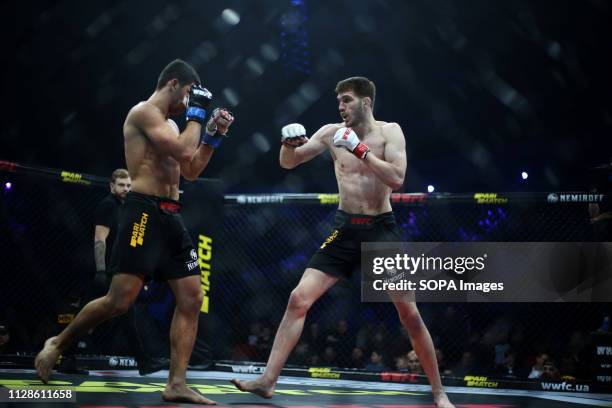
507,115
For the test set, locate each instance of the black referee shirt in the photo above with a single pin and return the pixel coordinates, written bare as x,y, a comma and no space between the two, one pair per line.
107,215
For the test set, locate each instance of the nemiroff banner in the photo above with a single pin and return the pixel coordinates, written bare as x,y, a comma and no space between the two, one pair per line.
487,271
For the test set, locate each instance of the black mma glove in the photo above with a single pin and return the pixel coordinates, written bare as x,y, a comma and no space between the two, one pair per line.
199,100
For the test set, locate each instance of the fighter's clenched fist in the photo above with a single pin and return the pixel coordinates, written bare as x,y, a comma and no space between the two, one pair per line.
293,135
220,121
217,126
347,138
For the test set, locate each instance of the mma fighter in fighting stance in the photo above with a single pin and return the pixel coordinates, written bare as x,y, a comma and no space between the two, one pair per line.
370,162
151,240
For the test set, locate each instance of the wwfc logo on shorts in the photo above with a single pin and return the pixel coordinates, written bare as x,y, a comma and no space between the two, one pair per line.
362,221
138,231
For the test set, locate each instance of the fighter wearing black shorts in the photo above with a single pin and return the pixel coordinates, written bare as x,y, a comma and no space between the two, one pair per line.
340,254
369,163
152,240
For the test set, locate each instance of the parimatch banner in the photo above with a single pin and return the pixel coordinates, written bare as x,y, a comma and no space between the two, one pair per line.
487,271
203,214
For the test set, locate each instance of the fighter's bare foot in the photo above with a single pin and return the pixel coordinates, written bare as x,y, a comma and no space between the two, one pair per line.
442,401
257,387
46,359
182,393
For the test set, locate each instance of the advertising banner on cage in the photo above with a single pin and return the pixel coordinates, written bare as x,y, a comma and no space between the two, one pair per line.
487,271
203,213
602,355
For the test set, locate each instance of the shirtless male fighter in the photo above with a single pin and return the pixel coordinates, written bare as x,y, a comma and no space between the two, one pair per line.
151,240
370,162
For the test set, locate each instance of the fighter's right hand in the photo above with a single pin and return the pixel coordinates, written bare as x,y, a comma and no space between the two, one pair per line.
198,102
293,135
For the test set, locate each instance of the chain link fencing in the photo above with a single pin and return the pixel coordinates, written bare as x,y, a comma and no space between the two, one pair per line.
268,246
46,245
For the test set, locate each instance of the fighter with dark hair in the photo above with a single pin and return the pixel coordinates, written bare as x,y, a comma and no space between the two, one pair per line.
152,241
370,162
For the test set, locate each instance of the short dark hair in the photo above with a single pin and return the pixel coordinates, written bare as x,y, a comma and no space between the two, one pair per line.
178,69
119,173
361,86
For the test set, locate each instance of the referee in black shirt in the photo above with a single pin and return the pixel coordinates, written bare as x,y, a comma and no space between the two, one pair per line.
105,219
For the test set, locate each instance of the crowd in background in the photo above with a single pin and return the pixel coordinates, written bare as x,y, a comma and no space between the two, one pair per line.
505,347
502,349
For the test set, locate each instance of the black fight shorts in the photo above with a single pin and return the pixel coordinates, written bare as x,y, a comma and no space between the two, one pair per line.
340,253
152,240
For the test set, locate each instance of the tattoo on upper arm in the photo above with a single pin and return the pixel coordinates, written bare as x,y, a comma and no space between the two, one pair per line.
100,253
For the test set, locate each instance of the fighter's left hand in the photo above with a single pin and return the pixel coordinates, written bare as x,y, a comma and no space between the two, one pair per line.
220,121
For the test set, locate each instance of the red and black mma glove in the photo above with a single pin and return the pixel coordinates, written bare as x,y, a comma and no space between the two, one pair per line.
347,138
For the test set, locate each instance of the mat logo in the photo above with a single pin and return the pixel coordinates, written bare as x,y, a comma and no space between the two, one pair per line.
604,350
489,198
138,231
121,362
479,381
321,372
564,386
204,260
250,369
